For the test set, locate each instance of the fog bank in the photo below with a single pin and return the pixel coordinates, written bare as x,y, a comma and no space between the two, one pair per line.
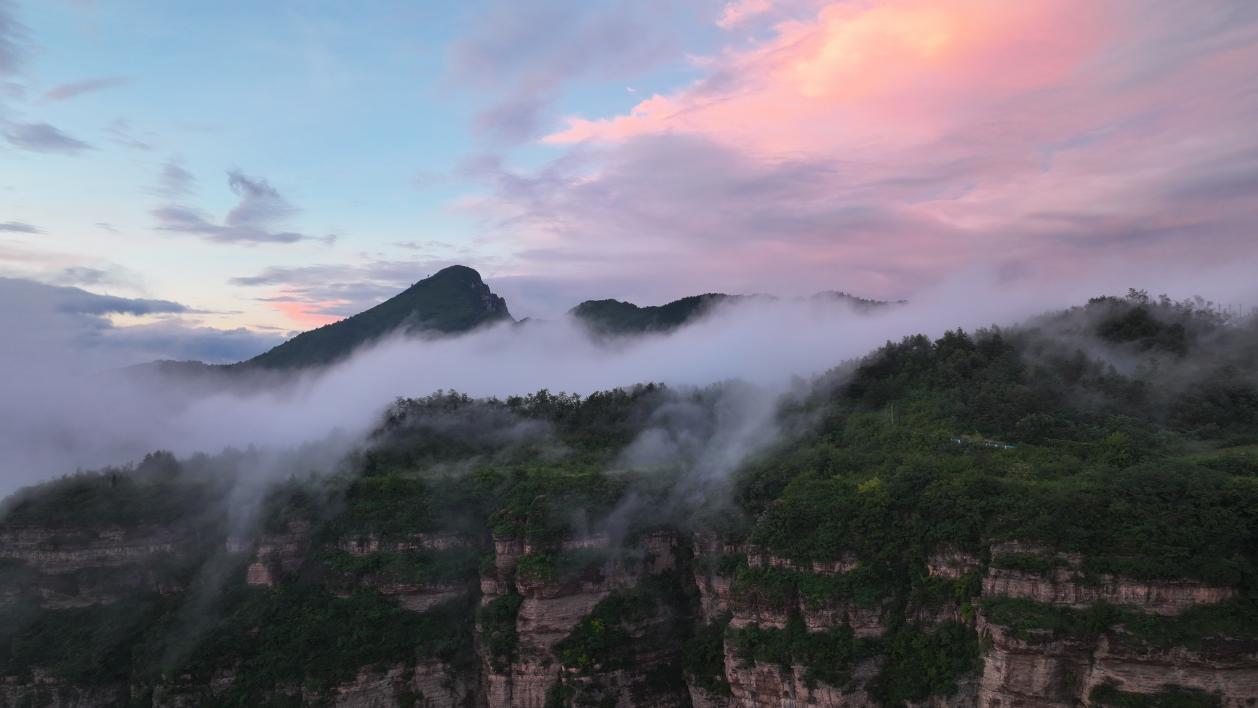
53,422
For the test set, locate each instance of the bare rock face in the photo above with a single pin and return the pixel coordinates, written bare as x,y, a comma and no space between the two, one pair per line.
1030,672
1226,668
703,698
414,596
714,589
51,550
865,621
182,692
627,688
50,693
507,552
1030,669
757,558
551,607
431,684
78,567
1044,670
1065,585
1064,588
1057,672
760,684
275,554
366,544
966,696
951,564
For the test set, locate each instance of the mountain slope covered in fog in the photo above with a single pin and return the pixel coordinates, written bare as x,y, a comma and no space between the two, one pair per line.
1063,512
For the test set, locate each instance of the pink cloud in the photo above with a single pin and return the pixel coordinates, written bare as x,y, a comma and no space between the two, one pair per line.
739,11
857,71
306,314
879,146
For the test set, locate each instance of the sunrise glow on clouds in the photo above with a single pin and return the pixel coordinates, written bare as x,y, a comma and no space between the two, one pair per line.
942,134
874,146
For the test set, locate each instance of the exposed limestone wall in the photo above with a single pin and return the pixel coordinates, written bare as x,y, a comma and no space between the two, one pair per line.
55,550
1030,673
1067,585
1048,671
1229,669
551,608
702,698
366,544
49,693
1064,587
275,555
759,684
63,568
430,684
1038,670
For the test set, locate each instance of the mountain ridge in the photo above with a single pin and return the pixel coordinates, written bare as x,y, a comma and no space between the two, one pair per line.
453,300
612,317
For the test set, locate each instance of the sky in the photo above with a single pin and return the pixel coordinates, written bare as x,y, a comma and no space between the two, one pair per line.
199,180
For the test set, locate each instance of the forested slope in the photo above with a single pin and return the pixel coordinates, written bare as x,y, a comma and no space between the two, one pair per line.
1061,513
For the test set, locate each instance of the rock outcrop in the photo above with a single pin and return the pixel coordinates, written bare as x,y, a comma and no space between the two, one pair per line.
77,567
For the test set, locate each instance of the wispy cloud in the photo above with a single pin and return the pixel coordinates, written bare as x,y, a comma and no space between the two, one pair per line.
739,11
76,301
94,277
174,181
42,137
18,227
62,92
12,37
254,219
525,53
121,132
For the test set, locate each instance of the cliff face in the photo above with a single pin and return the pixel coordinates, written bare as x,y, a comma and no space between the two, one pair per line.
75,567
1039,668
563,600
1055,667
551,602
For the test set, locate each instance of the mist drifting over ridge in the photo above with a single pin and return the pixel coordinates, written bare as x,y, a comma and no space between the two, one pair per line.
58,419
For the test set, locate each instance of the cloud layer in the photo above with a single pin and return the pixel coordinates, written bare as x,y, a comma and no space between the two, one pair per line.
67,330
58,413
880,147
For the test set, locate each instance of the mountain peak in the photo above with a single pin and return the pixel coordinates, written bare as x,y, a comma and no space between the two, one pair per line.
450,301
456,273
616,317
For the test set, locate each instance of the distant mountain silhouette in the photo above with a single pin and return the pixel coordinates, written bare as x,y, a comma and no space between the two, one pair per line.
451,301
616,317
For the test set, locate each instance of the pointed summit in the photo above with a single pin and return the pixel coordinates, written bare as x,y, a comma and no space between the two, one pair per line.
452,300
